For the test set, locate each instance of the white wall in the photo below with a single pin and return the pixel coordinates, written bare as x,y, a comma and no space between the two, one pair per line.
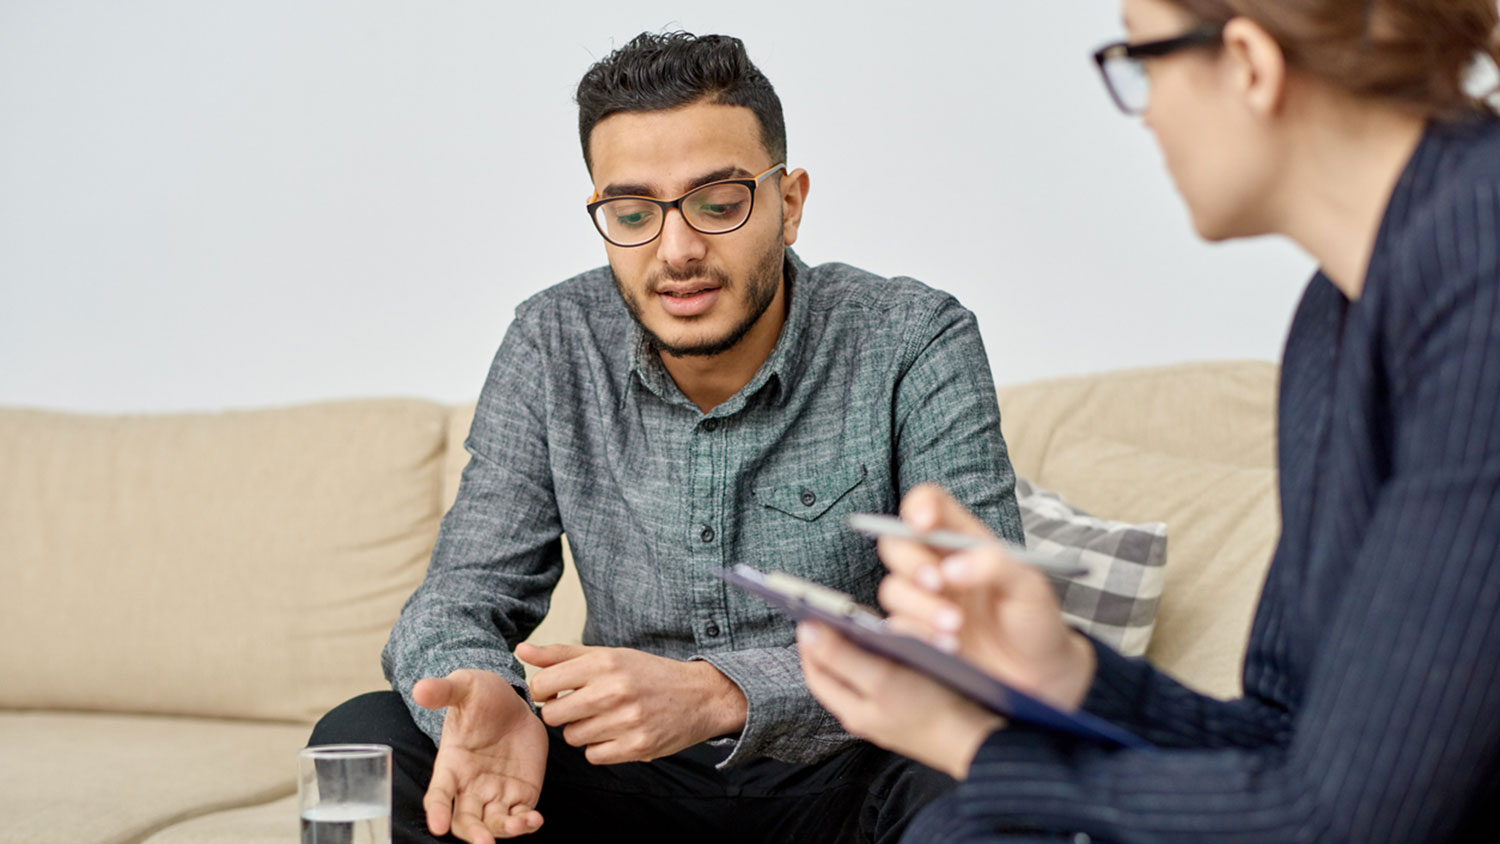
228,204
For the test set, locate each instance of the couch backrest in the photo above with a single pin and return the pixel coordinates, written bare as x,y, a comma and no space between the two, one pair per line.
251,564
1191,445
245,564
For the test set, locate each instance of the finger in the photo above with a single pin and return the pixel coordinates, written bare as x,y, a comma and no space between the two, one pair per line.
568,676
911,559
837,696
910,604
593,730
468,819
575,706
578,706
505,820
990,567
942,641
523,821
438,801
849,664
435,692
530,819
612,752
543,656
927,507
930,507
473,831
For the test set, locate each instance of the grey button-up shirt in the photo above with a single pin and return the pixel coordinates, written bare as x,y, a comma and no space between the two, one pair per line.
875,385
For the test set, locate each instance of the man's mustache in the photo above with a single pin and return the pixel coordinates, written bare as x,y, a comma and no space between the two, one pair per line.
713,274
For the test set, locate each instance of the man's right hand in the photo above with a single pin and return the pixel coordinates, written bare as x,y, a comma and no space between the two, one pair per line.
490,761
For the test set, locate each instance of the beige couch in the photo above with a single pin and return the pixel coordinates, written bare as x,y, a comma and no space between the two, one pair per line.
182,596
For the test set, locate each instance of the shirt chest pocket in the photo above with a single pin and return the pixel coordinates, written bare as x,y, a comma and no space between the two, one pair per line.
814,492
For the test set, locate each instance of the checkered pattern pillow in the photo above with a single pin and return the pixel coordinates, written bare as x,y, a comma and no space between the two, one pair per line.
1116,602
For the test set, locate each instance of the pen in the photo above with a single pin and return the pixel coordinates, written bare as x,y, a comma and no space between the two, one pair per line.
877,525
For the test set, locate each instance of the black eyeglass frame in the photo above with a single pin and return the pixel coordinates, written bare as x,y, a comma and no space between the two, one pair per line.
752,183
1209,34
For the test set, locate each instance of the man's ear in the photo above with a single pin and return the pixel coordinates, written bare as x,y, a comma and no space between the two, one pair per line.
793,197
1257,66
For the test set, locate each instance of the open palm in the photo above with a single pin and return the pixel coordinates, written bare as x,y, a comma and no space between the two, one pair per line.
490,762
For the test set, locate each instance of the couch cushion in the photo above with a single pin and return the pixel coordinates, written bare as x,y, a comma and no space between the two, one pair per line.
1116,601
268,823
68,778
1191,445
245,564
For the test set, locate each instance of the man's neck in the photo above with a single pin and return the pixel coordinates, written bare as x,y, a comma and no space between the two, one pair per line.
708,381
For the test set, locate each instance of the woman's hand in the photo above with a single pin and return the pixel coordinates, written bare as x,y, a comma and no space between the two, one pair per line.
892,706
1000,614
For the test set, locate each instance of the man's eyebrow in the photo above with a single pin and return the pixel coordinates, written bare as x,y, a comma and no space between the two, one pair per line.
630,189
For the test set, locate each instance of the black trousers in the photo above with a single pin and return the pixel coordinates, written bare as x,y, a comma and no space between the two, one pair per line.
860,794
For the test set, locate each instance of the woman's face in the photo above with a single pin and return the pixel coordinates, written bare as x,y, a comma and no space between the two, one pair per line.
1214,149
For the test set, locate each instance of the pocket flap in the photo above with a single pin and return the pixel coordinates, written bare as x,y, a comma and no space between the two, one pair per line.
810,498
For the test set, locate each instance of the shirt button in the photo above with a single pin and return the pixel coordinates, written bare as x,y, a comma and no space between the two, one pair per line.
808,498
712,629
707,534
711,425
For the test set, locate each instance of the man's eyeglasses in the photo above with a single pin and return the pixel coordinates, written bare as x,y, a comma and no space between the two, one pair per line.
714,208
1122,64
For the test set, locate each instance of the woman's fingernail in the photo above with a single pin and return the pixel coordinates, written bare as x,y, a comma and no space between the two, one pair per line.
956,568
945,642
807,633
929,579
948,619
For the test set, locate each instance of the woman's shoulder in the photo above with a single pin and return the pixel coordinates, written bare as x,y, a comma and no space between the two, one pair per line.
1445,226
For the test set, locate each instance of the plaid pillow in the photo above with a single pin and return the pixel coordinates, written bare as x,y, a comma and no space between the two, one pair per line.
1116,602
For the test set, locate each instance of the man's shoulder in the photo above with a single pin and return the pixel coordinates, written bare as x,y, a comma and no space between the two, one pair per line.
847,294
589,293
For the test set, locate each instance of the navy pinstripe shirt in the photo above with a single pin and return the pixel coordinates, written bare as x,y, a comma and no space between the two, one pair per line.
1372,680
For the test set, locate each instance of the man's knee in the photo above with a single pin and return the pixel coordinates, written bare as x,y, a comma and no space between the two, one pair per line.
373,717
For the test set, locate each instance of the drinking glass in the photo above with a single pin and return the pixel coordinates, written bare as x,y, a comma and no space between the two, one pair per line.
344,793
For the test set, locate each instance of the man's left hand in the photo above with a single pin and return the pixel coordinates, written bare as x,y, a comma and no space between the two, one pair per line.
624,705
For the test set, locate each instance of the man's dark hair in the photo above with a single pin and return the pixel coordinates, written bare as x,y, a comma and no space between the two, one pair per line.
659,71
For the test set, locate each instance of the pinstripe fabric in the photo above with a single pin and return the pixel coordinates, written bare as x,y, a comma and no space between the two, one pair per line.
874,386
1372,680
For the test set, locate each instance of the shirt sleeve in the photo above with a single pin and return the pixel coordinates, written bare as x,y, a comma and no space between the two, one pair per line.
947,420
498,553
782,719
1396,736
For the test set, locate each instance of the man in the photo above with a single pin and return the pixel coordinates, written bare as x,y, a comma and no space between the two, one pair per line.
706,399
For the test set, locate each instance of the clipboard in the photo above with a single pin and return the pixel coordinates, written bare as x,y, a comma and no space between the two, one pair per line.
803,600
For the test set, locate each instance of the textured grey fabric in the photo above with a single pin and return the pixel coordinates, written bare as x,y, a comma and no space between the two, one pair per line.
874,386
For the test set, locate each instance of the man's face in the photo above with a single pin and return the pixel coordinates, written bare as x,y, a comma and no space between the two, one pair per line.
693,293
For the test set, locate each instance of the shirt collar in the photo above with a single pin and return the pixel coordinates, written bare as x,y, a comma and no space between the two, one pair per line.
779,368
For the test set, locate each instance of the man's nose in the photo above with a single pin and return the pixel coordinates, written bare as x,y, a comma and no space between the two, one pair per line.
679,244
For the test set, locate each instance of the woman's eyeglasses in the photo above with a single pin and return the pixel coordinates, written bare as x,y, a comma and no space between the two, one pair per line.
1122,64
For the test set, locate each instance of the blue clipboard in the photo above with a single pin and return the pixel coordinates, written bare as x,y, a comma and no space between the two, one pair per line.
869,631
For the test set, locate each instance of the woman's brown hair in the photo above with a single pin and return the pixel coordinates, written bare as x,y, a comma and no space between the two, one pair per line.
1415,52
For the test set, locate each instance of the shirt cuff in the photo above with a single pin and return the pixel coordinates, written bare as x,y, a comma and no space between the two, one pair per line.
782,719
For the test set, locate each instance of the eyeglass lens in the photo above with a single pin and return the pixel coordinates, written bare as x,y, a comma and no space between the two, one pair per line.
711,209
1127,79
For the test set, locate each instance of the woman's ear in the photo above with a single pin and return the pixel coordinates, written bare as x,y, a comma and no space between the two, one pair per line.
1257,66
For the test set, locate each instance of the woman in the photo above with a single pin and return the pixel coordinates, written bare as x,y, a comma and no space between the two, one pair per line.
1372,679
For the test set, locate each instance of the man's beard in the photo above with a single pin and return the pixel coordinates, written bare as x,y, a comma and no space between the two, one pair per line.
762,284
